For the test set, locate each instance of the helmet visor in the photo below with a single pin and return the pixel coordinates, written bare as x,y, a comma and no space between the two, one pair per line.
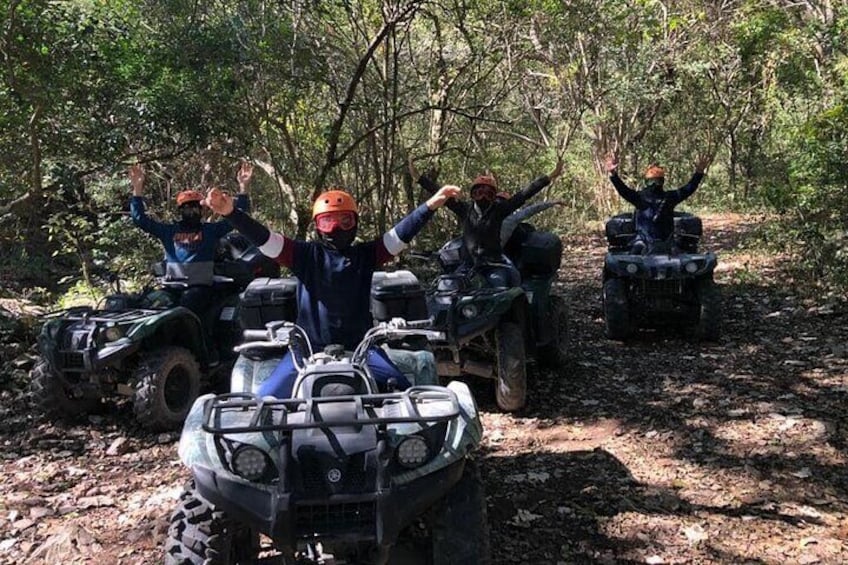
331,221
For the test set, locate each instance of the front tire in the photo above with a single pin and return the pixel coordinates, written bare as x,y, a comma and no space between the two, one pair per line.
460,527
51,396
168,382
709,299
618,322
457,531
511,385
201,535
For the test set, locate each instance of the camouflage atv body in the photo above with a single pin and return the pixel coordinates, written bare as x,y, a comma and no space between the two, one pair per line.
339,473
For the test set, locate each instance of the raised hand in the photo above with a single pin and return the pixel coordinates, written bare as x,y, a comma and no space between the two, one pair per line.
137,176
611,163
413,172
557,169
219,201
702,162
244,176
443,195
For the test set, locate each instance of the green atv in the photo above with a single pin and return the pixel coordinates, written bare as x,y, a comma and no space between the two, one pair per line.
145,345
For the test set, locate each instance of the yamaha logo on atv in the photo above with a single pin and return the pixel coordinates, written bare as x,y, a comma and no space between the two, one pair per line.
334,475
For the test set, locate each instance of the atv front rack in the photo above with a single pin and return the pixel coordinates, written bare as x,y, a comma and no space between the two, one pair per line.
271,415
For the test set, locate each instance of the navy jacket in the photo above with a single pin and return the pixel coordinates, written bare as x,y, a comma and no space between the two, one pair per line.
334,287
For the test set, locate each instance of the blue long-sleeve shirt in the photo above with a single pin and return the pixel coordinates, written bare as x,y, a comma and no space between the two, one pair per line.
655,208
334,287
189,250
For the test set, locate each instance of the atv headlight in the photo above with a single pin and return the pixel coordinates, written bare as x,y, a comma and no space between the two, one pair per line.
691,267
113,333
250,462
632,268
470,311
413,452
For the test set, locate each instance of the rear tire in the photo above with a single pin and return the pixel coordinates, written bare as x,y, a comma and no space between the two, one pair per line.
201,535
551,353
618,323
50,395
511,385
709,298
168,382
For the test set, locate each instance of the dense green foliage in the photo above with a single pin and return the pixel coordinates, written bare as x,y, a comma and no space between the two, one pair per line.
340,93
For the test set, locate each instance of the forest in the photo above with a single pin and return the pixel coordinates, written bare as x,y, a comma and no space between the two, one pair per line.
658,449
342,93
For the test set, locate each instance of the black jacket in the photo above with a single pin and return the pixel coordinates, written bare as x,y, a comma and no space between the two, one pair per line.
481,229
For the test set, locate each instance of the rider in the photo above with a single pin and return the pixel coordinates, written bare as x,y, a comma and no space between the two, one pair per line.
655,206
334,274
190,244
482,220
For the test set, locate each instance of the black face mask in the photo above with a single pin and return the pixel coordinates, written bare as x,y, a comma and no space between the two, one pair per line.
654,187
338,239
190,215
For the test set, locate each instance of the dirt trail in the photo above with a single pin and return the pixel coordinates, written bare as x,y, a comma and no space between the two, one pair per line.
662,450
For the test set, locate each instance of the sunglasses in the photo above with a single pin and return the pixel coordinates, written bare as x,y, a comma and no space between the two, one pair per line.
330,221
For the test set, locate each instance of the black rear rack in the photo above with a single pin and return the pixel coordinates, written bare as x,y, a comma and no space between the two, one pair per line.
270,415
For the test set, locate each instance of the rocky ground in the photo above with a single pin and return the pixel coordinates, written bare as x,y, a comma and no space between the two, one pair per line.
660,450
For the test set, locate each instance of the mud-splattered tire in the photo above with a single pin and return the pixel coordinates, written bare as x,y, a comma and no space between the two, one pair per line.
709,297
200,535
168,381
618,323
550,354
460,528
51,397
511,385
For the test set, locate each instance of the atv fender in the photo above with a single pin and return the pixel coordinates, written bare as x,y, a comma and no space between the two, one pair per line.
178,326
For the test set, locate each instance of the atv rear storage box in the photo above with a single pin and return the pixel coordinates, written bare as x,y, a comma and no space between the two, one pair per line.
268,300
541,254
620,231
397,295
688,229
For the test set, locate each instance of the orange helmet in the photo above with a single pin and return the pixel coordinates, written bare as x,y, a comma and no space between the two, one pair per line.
486,180
186,196
334,200
654,172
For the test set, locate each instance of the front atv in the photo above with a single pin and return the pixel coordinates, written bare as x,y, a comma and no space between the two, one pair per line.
141,346
339,473
670,286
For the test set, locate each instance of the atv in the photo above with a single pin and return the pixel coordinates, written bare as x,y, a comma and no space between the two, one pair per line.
492,331
339,473
144,345
670,285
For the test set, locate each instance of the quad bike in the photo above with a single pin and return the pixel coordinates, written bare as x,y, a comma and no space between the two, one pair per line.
339,473
670,285
144,345
492,331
